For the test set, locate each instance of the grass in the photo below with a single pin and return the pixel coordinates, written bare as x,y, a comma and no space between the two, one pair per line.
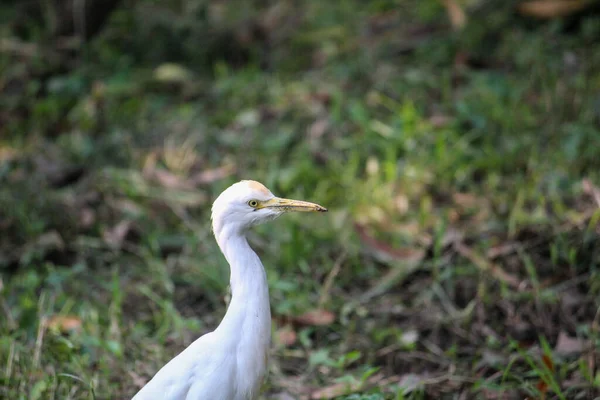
460,255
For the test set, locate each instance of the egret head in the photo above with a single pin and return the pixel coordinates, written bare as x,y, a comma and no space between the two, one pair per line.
248,203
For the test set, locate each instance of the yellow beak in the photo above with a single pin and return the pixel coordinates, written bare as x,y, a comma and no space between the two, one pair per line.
287,205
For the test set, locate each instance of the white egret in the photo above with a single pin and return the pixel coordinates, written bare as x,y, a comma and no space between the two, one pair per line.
230,362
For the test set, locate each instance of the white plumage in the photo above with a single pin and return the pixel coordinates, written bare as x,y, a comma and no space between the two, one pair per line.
230,362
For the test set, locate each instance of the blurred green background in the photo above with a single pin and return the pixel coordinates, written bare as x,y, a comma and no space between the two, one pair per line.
456,144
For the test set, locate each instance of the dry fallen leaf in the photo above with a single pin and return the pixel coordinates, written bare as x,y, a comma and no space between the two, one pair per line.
439,120
173,73
335,390
50,240
466,200
490,358
316,317
64,323
410,382
213,175
116,235
275,16
170,180
457,15
592,190
485,265
285,336
7,153
548,362
386,253
282,396
542,386
87,217
342,388
318,128
567,345
551,8
137,380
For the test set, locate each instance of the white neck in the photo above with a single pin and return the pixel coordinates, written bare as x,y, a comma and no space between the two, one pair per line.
248,319
248,278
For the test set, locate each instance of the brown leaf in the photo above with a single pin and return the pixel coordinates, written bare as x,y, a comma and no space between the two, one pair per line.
117,234
318,128
173,73
150,162
502,250
548,362
551,8
275,16
137,380
490,358
342,388
286,336
409,382
87,217
335,390
170,180
483,264
64,323
316,317
213,175
50,240
439,120
592,190
566,345
542,387
282,396
125,206
457,15
44,243
324,98
402,203
7,153
466,200
384,252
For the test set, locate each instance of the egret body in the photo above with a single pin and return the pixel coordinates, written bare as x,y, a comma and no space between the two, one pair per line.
230,362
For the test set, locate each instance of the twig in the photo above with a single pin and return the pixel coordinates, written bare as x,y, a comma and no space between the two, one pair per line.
445,300
42,325
511,248
337,265
18,47
12,324
419,355
592,354
9,362
569,283
495,270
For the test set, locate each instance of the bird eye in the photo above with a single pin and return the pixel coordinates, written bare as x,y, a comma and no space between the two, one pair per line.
253,203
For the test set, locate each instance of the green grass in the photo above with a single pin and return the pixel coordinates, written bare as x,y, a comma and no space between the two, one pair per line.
462,237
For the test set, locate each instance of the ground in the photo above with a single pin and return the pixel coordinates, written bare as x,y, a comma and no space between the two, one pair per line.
456,145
